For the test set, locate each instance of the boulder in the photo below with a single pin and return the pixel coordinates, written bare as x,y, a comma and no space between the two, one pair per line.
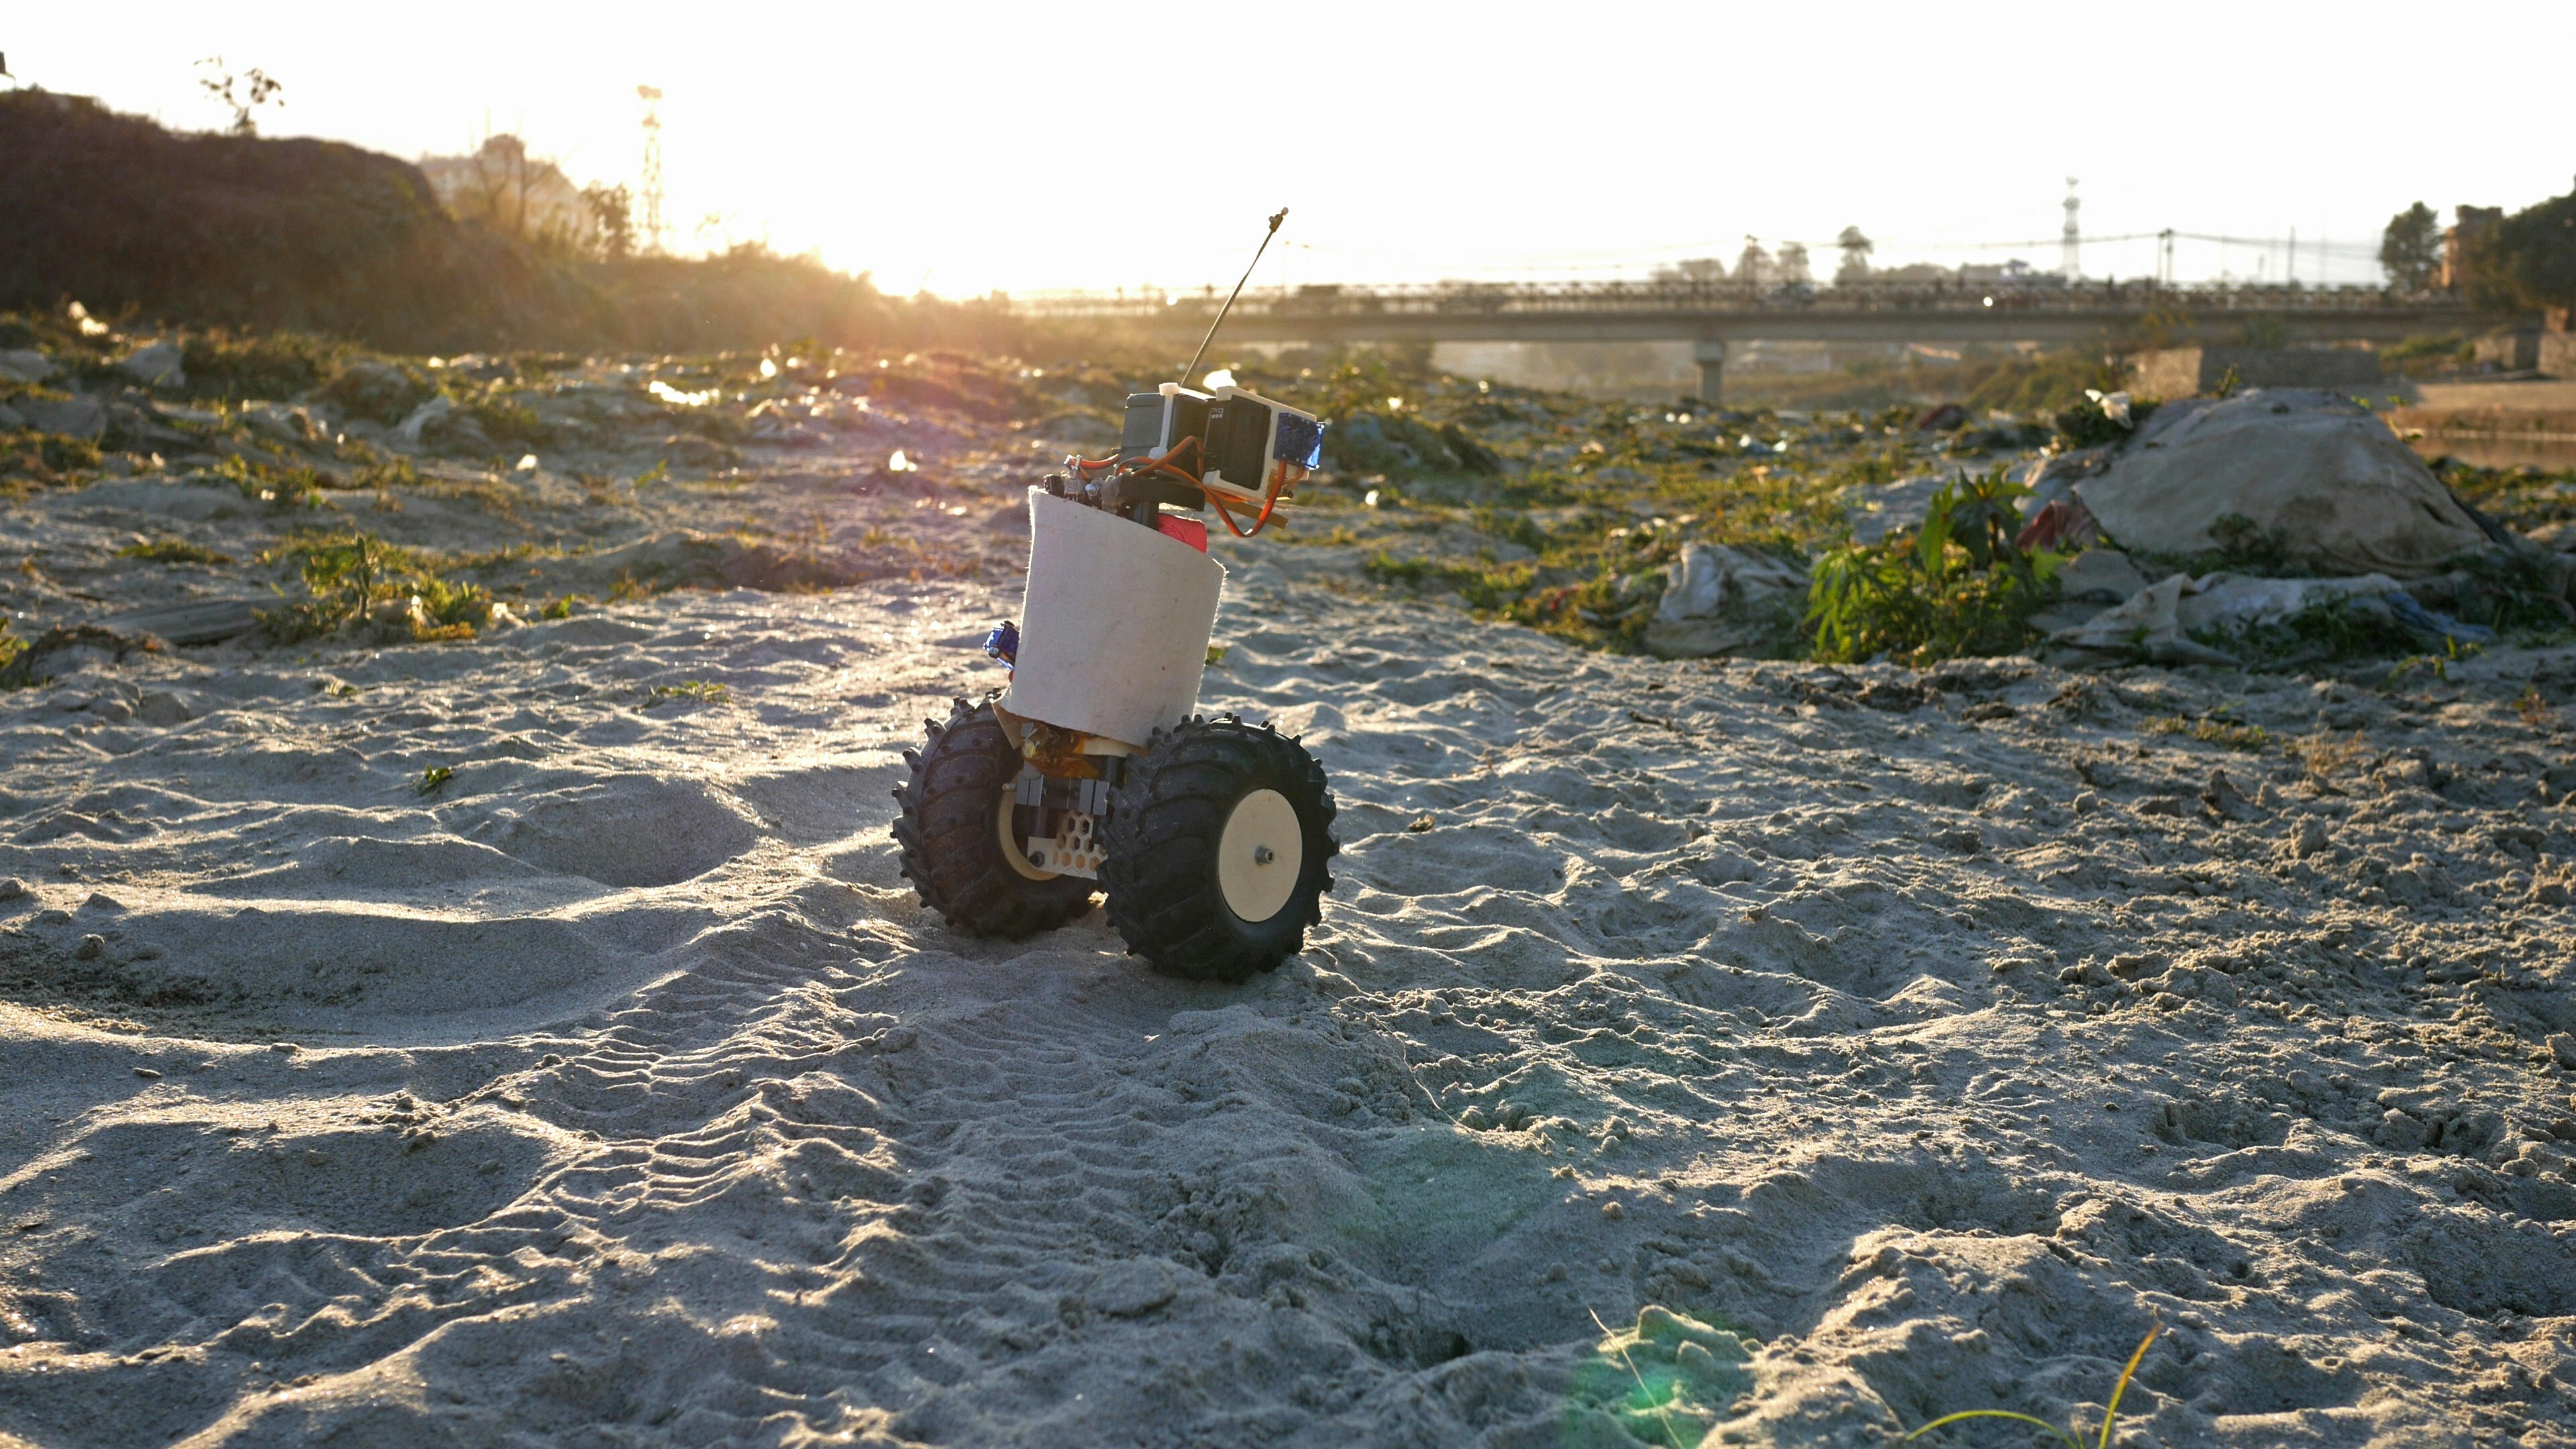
1721,601
2313,474
155,366
73,417
25,365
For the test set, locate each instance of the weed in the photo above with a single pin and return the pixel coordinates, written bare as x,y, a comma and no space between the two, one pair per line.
2110,1411
507,420
433,779
657,473
1513,526
1216,656
233,367
563,606
173,550
2209,731
703,691
628,588
1957,585
345,575
288,487
2325,756
46,458
11,646
2534,710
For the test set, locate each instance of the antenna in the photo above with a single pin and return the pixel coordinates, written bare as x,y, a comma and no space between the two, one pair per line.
651,96
1276,217
2071,237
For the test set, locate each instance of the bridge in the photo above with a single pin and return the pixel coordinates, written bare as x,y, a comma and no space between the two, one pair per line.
1713,315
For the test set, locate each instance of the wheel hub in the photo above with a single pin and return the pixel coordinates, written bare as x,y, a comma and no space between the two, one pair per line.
1260,855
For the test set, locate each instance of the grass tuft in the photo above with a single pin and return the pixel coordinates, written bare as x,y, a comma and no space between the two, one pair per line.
2074,1440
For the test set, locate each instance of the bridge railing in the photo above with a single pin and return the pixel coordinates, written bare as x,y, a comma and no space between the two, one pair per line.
1723,298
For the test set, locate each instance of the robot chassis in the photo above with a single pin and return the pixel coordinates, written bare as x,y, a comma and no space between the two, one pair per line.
1211,838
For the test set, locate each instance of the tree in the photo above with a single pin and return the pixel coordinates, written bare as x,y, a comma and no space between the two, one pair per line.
243,94
2527,261
1793,263
612,214
1755,263
2411,249
1856,249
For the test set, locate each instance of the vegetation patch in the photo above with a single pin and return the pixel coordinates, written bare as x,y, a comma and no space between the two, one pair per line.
1956,585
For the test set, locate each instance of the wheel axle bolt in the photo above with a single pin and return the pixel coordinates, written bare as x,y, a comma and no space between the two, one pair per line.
1262,855
1038,859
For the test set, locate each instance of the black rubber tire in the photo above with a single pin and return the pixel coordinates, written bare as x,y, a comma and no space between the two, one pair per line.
1160,845
952,850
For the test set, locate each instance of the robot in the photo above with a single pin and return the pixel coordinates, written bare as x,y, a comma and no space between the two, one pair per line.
1091,770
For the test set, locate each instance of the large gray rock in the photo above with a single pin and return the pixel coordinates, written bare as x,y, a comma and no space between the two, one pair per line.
76,417
25,364
155,366
2316,472
1721,600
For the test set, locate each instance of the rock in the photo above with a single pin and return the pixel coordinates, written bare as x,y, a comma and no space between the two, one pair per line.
1133,1288
2312,474
378,391
2562,1045
90,948
409,429
285,424
25,365
73,417
2399,1132
156,366
2224,799
2309,839
59,651
12,888
1721,600
1879,509
165,707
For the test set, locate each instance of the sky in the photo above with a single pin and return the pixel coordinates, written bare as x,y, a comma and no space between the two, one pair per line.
968,148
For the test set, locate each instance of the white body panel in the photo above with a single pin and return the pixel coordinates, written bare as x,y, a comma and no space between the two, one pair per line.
1114,634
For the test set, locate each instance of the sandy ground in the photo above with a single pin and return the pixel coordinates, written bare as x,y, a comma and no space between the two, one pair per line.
1896,1044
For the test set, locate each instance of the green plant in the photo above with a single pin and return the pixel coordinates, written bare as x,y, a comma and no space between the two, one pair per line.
703,691
563,606
173,550
295,485
433,779
1957,585
2209,731
2074,1440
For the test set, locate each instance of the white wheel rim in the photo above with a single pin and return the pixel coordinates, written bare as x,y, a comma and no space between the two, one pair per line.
1016,850
1260,856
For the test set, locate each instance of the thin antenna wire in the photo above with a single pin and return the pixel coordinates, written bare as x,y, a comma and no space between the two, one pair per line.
1276,217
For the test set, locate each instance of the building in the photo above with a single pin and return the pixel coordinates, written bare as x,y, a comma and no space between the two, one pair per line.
511,193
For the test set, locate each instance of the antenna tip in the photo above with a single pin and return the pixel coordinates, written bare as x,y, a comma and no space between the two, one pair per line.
1277,217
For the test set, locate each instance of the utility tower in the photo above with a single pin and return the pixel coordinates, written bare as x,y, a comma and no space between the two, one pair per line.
652,226
2069,240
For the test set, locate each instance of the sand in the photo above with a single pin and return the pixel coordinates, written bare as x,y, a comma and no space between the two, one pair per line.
1896,1044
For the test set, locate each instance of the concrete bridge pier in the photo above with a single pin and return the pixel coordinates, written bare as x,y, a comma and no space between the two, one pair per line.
1711,357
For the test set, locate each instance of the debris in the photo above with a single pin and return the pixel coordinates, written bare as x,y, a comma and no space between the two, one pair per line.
1722,600
2315,475
2174,620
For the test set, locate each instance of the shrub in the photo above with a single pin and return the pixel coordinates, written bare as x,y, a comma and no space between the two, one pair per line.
1957,585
